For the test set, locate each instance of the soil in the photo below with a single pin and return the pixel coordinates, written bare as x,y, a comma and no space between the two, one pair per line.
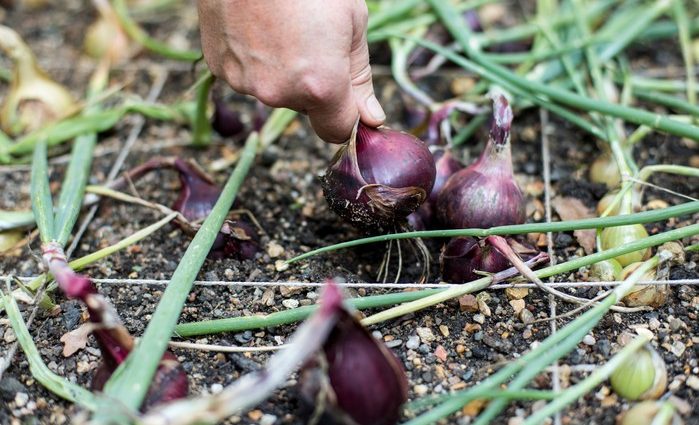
283,193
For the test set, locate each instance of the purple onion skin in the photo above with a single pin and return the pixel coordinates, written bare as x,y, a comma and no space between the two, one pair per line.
237,239
379,178
367,382
463,256
169,383
198,193
485,194
225,121
446,165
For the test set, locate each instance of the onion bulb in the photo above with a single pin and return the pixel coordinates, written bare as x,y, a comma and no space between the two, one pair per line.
643,376
379,177
105,38
33,99
605,171
613,237
485,194
644,295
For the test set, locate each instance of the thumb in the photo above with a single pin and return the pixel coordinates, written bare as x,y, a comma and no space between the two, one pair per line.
370,111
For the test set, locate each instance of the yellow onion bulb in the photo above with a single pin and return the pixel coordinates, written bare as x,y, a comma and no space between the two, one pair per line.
605,271
644,295
646,413
613,237
106,38
33,99
605,171
643,376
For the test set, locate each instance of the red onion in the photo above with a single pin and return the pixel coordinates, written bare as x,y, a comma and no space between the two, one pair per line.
379,177
170,380
485,194
462,257
197,197
446,165
225,121
355,380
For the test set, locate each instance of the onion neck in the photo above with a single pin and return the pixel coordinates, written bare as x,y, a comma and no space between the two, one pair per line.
496,158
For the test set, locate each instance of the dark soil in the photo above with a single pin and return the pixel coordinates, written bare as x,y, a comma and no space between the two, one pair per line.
283,193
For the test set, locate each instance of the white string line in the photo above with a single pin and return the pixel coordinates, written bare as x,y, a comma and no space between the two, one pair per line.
655,186
370,285
546,162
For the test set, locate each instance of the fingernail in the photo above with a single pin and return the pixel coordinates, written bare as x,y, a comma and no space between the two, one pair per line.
375,109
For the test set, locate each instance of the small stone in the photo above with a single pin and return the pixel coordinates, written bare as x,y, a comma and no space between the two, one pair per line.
229,274
653,324
460,349
413,342
483,308
516,293
290,303
280,266
216,388
425,335
255,415
441,353
288,290
517,305
589,340
83,367
526,316
472,327
444,330
21,399
268,419
678,348
693,382
420,389
468,303
675,324
9,336
274,249
479,318
527,333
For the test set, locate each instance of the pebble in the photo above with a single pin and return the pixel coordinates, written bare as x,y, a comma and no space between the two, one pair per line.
274,249
678,348
290,303
693,382
526,316
472,327
425,334
517,305
268,419
420,389
468,303
9,336
441,353
413,342
675,324
21,399
589,340
516,293
216,388
9,386
444,330
653,324
394,343
479,318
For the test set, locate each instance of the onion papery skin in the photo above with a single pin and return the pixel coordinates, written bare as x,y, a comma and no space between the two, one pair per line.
355,380
446,165
378,178
198,193
463,256
33,99
485,194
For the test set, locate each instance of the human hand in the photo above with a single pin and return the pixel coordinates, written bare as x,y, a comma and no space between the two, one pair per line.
308,55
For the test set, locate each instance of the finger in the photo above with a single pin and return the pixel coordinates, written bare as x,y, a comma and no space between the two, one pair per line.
334,117
370,109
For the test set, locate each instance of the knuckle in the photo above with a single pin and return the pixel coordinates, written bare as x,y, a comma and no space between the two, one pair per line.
362,76
317,88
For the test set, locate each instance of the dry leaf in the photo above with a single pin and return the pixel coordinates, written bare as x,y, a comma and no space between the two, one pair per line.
76,339
574,209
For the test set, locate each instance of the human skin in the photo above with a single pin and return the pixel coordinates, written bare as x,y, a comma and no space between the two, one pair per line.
306,55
